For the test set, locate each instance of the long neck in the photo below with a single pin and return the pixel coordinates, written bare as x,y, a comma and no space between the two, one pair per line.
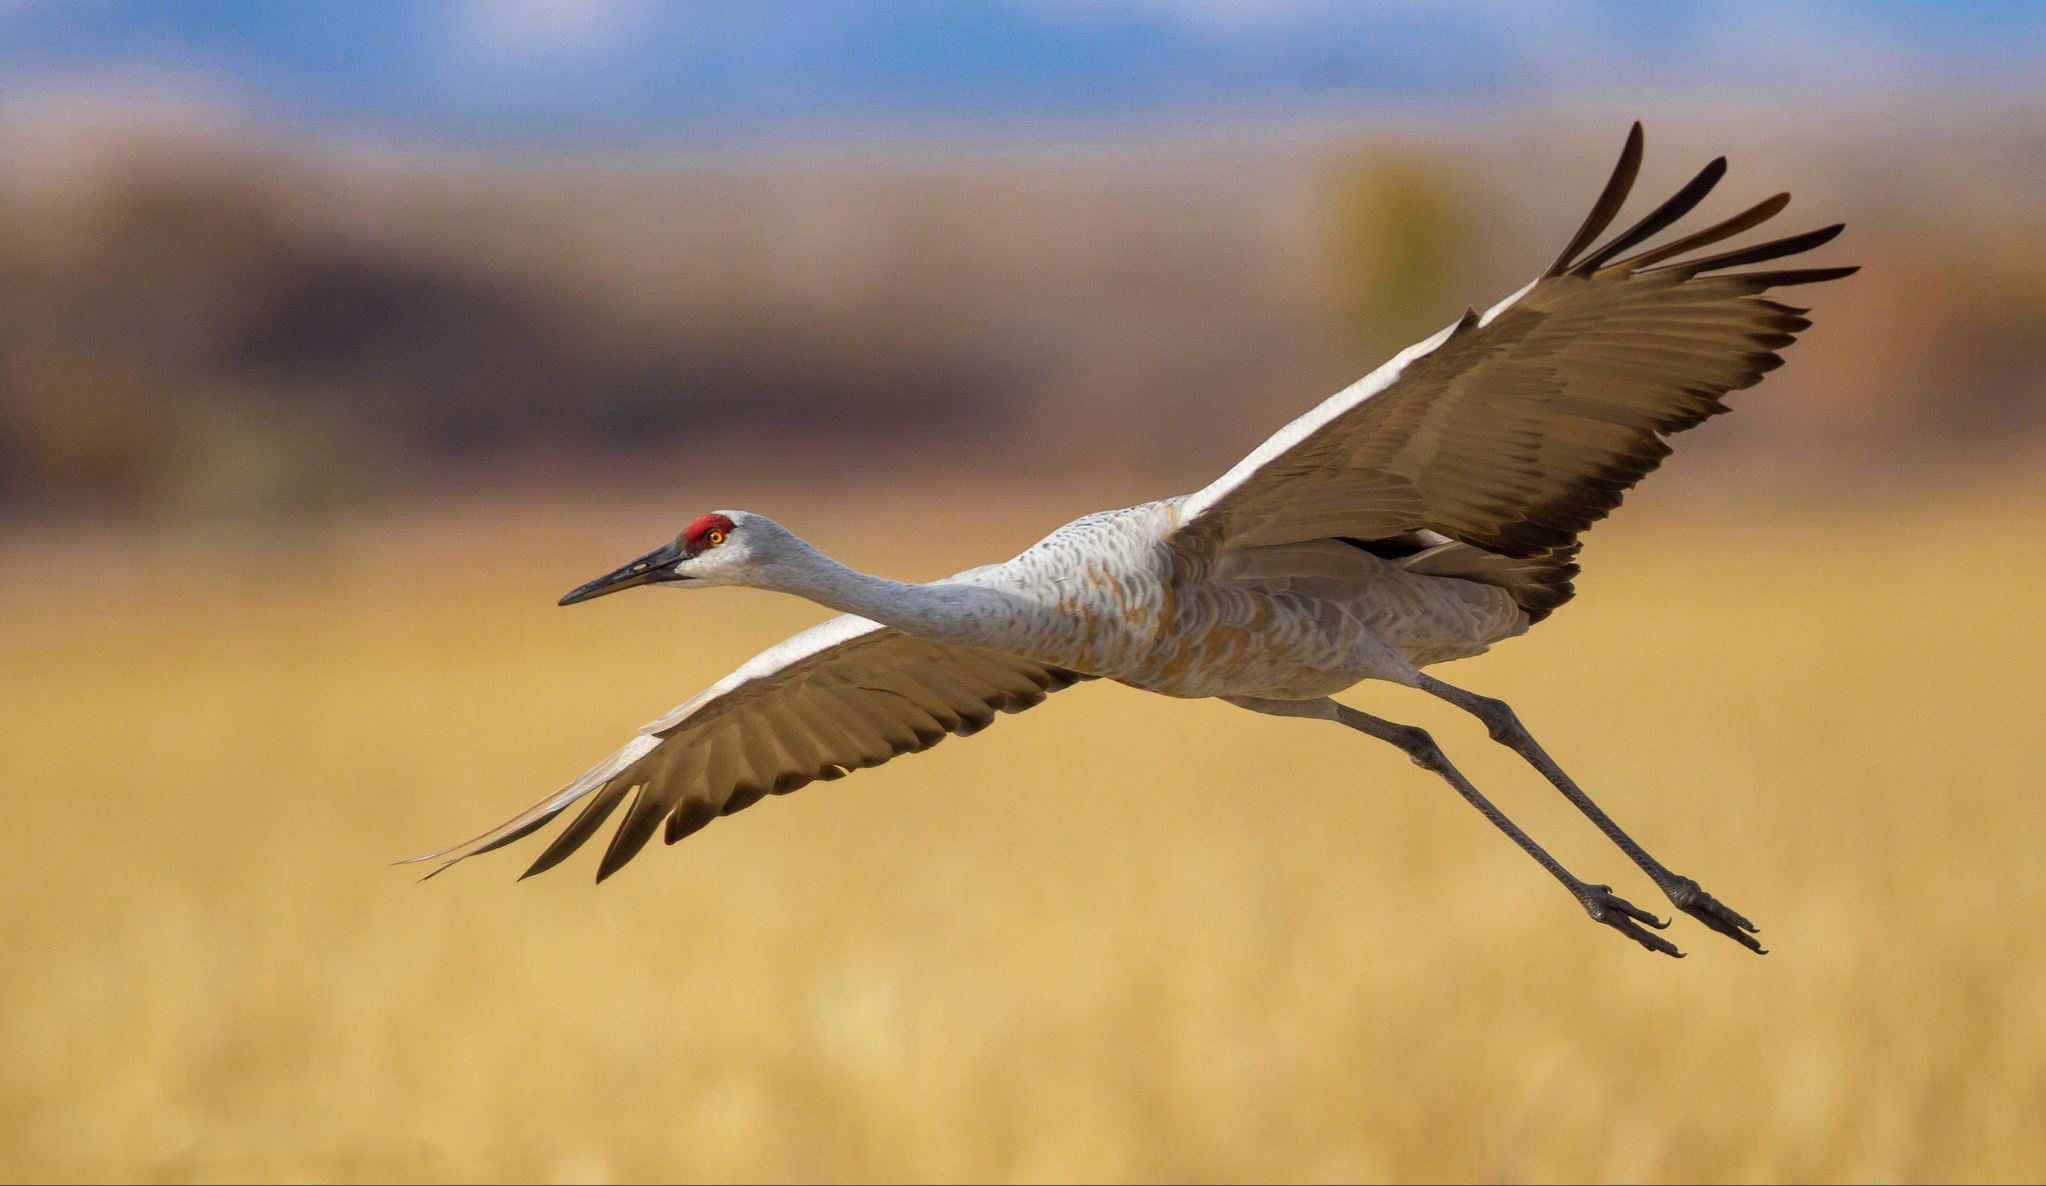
944,610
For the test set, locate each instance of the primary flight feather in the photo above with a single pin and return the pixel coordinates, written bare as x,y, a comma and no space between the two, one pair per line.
1421,514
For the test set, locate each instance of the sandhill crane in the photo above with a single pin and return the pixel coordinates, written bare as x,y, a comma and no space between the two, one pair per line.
1422,514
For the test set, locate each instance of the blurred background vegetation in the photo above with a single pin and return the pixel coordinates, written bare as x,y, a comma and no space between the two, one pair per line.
337,340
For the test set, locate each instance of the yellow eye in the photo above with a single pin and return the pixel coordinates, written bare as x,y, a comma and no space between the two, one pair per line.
715,538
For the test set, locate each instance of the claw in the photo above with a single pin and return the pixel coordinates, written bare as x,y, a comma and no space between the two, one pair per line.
1639,915
1691,898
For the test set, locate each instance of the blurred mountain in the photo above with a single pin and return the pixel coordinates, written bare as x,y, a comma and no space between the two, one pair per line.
198,315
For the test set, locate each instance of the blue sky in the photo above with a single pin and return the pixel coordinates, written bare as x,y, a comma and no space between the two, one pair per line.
545,70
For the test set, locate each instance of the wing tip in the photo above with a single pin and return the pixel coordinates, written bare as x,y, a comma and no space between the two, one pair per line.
1792,276
1674,208
1610,199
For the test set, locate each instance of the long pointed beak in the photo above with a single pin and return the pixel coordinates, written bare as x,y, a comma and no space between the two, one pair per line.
654,567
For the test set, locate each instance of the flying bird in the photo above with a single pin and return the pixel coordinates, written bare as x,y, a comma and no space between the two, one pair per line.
1423,513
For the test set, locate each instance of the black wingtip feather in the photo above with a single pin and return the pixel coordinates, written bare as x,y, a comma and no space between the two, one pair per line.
1748,219
1681,203
1791,276
579,829
517,834
1763,252
645,815
1610,199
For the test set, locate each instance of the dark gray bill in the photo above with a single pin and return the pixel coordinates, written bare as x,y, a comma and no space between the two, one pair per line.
654,567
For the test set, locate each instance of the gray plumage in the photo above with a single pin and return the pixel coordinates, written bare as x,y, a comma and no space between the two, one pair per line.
1420,515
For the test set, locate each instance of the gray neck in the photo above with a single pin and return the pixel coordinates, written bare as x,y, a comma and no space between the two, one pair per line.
947,611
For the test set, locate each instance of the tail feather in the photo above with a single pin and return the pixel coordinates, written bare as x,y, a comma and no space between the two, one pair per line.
1538,584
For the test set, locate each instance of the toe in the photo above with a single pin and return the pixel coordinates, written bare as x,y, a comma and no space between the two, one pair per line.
1691,898
1637,913
1733,926
1616,912
1648,939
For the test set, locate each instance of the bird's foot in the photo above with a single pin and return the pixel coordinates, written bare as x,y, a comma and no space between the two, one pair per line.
1605,906
1691,898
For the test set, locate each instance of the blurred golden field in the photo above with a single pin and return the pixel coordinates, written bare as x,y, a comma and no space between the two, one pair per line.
1116,938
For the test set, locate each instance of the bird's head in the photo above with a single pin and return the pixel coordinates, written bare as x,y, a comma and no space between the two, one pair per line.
721,548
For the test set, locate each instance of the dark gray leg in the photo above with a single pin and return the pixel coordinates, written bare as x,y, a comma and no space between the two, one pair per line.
1684,893
1599,901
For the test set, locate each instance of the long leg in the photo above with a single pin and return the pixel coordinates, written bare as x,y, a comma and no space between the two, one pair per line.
1599,901
1683,892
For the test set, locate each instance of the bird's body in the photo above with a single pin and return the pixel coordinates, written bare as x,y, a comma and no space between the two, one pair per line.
1115,595
1424,513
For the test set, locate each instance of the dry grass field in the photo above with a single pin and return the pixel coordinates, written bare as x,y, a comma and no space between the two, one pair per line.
1115,938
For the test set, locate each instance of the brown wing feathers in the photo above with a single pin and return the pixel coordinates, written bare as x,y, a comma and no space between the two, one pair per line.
858,702
1768,326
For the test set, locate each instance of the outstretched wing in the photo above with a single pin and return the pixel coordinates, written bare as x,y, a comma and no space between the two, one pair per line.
1516,430
837,697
